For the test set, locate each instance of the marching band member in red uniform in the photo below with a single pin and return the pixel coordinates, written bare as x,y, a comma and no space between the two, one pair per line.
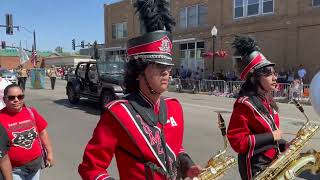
254,131
144,130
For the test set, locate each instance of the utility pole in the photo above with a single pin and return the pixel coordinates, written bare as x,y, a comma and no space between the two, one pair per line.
34,44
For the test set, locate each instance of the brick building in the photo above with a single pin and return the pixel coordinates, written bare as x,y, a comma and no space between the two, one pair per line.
9,58
286,30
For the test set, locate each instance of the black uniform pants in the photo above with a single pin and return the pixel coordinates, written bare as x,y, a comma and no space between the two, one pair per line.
22,82
53,82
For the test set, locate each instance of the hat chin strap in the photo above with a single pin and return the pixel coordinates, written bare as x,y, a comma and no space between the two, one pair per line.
152,91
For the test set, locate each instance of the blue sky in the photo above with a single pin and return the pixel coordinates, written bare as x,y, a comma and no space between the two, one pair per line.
56,22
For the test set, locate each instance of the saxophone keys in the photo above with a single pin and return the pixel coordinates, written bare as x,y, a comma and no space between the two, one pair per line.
290,175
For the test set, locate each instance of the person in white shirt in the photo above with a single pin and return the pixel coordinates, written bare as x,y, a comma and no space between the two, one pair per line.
302,72
3,84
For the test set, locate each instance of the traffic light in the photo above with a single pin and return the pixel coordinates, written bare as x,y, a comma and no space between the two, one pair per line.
95,50
82,44
73,44
3,44
9,24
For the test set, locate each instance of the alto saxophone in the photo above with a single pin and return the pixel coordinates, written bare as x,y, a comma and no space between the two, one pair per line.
292,162
218,164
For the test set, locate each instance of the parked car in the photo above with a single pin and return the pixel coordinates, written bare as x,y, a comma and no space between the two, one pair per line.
8,75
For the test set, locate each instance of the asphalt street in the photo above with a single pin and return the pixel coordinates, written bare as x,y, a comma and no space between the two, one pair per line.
71,126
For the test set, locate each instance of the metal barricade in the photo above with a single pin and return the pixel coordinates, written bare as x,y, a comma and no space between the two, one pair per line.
282,91
213,86
233,87
295,91
190,85
285,91
175,85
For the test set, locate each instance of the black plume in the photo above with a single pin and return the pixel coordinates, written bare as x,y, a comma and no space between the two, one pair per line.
245,45
155,15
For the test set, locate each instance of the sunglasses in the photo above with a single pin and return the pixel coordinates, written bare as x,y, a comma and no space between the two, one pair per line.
161,67
20,97
267,71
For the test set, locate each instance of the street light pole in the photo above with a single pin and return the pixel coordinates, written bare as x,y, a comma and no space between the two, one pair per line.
213,50
35,47
214,32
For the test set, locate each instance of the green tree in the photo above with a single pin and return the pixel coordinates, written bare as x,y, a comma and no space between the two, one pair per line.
59,50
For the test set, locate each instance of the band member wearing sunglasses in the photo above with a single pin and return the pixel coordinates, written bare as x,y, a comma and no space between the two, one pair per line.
144,131
254,131
27,132
5,165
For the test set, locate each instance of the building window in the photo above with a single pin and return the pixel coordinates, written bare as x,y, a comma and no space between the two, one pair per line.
315,2
238,8
253,7
202,11
183,19
193,16
190,55
267,6
119,30
246,8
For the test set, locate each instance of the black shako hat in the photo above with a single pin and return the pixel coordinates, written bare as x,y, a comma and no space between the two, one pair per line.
155,45
248,56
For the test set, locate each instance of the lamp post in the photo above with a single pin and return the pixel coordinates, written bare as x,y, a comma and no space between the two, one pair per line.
214,32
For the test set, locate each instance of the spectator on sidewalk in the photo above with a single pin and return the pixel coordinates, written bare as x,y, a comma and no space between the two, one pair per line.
3,84
282,76
290,76
302,72
183,73
53,73
27,132
5,164
22,77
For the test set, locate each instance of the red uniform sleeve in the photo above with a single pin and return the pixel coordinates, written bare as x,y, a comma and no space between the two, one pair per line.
238,131
240,136
100,149
40,121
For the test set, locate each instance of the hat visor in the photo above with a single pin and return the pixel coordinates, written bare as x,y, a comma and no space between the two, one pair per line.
162,61
263,65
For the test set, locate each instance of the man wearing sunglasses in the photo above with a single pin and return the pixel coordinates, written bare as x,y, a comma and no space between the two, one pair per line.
26,129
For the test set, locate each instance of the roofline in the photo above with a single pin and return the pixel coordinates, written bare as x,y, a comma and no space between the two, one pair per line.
113,3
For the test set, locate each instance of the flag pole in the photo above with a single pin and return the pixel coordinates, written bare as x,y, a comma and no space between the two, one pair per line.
35,48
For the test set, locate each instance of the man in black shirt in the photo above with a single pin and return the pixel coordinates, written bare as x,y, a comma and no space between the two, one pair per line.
5,165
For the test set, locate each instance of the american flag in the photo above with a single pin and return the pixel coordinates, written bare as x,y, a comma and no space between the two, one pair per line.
33,57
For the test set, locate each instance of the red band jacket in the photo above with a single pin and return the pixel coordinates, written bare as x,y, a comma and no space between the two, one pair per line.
145,138
250,134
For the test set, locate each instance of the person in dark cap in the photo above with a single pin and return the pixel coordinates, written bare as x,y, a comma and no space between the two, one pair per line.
144,130
254,128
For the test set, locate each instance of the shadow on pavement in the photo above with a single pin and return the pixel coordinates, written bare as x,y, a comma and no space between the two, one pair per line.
87,106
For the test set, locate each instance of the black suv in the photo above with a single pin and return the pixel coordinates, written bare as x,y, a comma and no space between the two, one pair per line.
101,81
